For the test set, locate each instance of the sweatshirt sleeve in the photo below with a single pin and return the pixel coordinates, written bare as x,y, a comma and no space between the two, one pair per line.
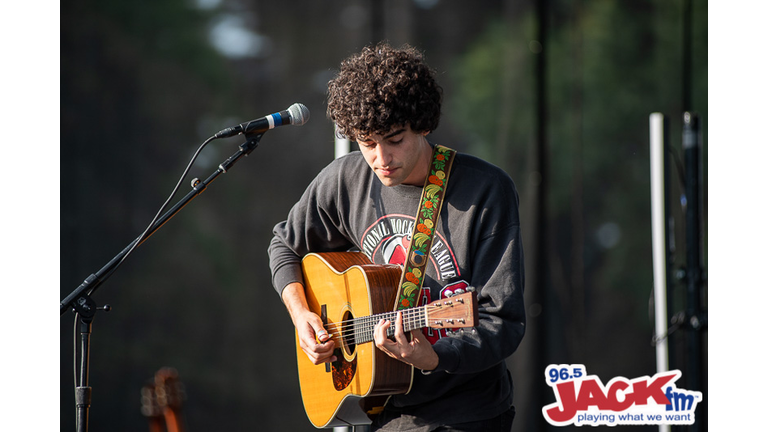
314,224
498,275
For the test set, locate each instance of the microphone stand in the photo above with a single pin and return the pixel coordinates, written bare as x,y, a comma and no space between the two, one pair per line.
84,307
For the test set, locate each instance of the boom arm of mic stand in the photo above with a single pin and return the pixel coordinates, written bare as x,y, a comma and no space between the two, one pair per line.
78,300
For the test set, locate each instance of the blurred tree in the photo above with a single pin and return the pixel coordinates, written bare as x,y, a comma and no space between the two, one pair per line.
610,64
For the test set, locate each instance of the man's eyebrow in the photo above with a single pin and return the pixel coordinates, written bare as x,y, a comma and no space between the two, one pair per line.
395,133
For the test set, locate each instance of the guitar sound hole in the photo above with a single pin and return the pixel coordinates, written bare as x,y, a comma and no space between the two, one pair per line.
348,339
345,367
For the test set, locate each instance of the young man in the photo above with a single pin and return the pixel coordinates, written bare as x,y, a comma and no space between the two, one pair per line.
387,101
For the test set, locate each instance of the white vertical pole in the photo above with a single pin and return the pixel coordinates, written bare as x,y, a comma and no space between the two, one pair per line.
341,146
658,229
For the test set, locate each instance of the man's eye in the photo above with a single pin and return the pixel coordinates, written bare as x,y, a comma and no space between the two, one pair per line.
396,140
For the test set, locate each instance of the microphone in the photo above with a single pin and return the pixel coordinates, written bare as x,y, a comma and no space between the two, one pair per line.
297,114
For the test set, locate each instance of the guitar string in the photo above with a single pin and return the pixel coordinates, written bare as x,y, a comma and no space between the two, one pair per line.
363,326
411,316
352,330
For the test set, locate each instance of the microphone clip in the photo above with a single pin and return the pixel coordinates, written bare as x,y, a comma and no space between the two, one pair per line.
250,144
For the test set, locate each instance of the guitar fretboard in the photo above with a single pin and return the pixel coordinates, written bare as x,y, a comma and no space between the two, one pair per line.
444,313
360,330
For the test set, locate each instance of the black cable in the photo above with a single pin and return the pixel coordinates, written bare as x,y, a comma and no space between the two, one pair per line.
143,235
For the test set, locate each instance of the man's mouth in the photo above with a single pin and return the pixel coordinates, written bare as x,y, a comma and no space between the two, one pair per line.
388,171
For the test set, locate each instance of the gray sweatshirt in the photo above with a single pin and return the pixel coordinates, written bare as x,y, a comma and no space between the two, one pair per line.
477,243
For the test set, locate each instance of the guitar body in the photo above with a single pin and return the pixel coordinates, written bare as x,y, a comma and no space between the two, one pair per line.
341,286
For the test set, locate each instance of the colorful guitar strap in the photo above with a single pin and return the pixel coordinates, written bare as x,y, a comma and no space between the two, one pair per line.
424,228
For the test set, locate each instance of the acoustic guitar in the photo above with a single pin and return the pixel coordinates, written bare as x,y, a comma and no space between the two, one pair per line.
352,295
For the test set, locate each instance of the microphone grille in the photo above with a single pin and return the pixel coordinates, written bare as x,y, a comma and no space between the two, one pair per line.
299,114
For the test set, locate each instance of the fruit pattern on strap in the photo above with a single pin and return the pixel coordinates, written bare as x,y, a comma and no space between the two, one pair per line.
424,229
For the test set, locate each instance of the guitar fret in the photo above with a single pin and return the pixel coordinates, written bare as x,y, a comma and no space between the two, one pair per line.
362,328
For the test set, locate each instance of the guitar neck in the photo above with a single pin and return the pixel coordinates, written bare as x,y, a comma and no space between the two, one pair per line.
455,312
413,319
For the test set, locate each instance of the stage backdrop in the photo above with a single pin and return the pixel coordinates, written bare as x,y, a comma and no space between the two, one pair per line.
556,93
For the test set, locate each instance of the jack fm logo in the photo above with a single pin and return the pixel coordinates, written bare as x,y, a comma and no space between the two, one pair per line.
583,399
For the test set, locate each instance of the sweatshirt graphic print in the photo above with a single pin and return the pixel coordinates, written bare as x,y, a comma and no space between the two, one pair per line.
387,241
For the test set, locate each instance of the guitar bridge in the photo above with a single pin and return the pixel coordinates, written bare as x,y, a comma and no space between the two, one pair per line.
324,318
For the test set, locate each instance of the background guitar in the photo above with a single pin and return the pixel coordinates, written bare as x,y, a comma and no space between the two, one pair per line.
161,401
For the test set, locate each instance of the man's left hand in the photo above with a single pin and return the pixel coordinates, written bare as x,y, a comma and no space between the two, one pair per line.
417,351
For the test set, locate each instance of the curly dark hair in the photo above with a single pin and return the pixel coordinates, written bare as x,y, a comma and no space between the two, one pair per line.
382,88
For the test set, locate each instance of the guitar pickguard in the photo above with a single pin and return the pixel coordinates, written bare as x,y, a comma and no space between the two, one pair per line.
345,367
343,371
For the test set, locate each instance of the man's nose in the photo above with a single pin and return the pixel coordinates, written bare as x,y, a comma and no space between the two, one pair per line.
383,154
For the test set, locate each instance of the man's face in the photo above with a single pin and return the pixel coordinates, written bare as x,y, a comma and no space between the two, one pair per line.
398,157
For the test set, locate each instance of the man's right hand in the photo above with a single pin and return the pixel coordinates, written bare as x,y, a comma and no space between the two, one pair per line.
314,340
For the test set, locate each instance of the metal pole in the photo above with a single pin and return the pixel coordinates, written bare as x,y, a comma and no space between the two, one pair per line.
695,320
661,245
